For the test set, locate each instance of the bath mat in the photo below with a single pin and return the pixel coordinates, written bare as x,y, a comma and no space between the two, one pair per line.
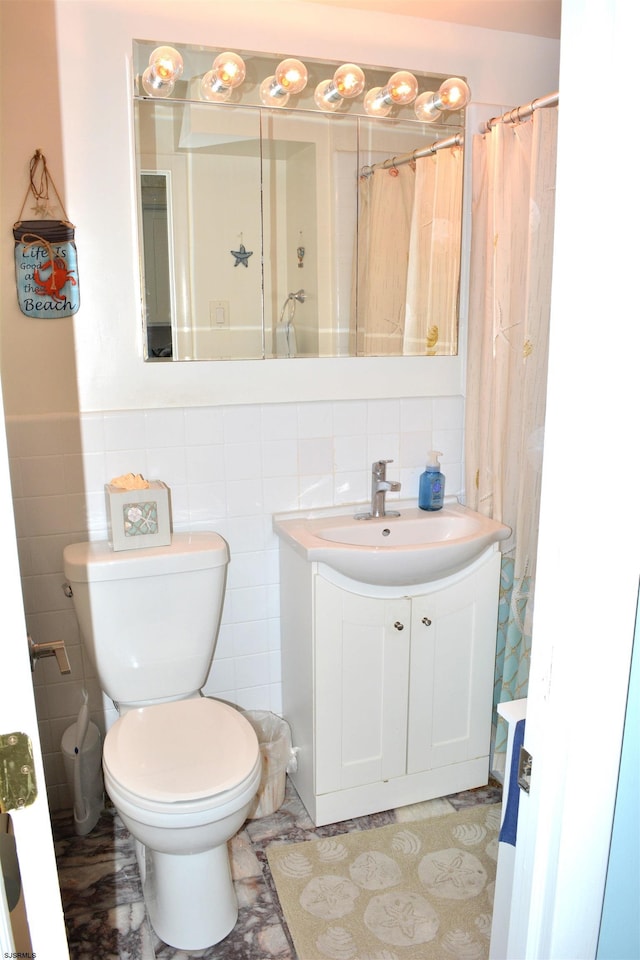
421,890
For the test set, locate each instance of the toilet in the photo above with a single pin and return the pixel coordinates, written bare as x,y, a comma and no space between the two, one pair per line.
180,768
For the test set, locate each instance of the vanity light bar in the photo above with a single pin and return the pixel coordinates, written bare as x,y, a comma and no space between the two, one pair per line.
228,73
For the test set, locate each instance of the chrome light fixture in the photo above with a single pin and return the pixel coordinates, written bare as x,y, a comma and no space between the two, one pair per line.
401,89
290,77
347,83
227,73
165,67
453,94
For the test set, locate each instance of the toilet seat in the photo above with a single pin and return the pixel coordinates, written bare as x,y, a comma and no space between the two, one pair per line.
181,752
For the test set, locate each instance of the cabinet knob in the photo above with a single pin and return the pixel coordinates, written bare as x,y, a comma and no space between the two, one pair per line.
426,621
398,625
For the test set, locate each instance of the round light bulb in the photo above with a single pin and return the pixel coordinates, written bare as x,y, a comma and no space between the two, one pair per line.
291,75
166,63
230,69
454,94
349,80
271,93
375,104
326,97
154,86
212,89
402,87
425,108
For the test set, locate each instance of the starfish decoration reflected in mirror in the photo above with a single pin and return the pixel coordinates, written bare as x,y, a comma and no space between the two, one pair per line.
241,255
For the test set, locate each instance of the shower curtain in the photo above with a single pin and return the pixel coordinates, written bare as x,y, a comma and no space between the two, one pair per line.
384,227
433,275
513,198
408,263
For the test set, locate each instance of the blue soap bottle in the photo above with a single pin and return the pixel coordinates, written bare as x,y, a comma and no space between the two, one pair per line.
431,492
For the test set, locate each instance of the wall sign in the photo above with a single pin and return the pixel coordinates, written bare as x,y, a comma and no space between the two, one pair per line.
45,253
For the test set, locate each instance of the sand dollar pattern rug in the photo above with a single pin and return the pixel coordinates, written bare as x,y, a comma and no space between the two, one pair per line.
421,890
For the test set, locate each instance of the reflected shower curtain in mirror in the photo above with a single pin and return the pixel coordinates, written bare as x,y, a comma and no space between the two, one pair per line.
384,230
513,199
408,264
433,276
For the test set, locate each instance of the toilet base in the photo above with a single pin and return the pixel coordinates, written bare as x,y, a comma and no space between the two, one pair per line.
190,900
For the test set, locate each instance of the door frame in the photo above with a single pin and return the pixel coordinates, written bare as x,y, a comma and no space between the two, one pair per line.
31,824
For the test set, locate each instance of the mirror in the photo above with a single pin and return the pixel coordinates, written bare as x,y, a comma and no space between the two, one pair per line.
311,229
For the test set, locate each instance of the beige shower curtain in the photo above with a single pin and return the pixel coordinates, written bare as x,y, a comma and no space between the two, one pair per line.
384,229
511,257
431,317
408,264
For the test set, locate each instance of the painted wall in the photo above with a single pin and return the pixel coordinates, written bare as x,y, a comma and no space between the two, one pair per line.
67,90
235,441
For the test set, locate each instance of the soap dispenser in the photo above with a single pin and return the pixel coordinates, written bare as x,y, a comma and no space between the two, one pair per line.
431,492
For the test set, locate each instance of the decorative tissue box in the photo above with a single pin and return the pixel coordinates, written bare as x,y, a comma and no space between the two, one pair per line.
138,518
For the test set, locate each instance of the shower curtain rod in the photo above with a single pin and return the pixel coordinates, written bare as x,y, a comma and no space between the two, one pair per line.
523,112
456,141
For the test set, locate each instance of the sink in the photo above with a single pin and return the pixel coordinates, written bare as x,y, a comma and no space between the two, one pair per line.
417,547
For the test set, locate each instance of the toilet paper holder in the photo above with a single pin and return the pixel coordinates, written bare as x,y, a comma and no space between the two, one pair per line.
54,648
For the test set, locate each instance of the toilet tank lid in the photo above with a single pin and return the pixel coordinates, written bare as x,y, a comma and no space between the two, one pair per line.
95,560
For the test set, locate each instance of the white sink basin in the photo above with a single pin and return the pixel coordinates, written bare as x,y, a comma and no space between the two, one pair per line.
416,547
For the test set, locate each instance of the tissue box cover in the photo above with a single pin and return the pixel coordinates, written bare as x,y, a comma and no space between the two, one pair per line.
138,518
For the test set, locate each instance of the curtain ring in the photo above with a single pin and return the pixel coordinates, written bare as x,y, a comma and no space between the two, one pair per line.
393,170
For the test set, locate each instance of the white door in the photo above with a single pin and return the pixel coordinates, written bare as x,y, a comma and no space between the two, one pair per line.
362,666
589,551
31,824
453,639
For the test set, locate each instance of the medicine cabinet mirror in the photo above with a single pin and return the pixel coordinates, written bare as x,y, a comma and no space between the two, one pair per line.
327,226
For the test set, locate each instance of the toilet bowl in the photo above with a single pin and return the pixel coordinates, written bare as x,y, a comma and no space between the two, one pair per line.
181,769
182,776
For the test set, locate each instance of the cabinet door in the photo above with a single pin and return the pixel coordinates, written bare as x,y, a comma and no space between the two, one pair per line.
451,677
361,662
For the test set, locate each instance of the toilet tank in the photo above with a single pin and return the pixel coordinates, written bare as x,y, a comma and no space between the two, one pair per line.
149,618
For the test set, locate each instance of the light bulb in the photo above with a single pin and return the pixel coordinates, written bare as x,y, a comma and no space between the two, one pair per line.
425,108
291,75
326,97
349,80
166,63
154,86
402,87
212,89
227,73
271,93
454,94
230,69
375,104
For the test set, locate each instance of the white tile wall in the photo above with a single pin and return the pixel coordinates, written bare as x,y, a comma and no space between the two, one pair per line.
229,469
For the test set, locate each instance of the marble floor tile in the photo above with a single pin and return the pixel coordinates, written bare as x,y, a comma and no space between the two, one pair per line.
102,894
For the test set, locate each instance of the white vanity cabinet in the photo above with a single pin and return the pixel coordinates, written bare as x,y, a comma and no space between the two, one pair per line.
388,690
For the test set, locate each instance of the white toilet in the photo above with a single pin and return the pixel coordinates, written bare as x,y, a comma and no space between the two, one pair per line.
180,768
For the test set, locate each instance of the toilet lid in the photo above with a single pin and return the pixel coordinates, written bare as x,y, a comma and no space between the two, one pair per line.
183,750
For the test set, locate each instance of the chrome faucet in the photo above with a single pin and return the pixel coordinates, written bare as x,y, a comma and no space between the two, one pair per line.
379,487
